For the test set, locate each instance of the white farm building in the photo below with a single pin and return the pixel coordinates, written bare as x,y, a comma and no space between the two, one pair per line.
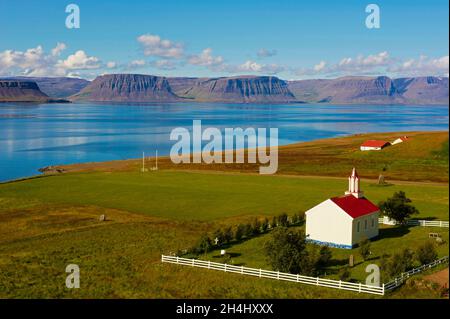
373,145
343,221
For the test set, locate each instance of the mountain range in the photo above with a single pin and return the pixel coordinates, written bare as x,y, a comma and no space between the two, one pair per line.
237,89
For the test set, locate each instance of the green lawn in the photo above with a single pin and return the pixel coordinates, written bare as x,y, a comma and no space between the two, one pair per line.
49,222
250,253
206,196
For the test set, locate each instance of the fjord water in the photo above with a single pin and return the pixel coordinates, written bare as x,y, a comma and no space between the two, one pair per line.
33,136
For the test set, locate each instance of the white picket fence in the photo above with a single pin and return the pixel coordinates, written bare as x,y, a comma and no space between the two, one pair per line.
316,281
399,280
417,222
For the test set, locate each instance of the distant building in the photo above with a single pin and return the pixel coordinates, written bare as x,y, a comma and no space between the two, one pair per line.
373,145
400,140
343,221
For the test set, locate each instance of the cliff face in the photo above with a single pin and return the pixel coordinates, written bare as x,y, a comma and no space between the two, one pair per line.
58,87
376,90
20,91
243,89
424,90
239,89
127,88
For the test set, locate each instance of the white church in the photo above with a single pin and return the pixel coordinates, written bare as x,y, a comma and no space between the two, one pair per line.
343,221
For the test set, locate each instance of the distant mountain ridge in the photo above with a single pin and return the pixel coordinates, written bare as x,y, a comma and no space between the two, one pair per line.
21,91
57,87
245,89
127,88
372,90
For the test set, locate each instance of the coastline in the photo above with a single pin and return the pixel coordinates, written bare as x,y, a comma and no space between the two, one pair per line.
347,143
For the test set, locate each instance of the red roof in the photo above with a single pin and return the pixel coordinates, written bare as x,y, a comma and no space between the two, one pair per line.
355,207
375,143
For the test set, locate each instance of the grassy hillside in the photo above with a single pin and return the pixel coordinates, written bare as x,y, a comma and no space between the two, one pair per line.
423,158
206,196
49,222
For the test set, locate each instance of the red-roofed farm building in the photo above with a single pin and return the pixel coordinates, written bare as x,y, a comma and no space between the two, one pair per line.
343,221
400,140
374,145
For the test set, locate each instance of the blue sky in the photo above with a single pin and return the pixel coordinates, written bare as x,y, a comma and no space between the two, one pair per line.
290,39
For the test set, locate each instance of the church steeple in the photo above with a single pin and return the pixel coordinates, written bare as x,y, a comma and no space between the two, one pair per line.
353,185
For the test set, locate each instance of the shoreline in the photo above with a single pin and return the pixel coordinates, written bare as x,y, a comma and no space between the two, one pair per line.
128,164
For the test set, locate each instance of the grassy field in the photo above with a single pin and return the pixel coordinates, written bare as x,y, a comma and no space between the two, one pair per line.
50,221
207,196
250,253
422,158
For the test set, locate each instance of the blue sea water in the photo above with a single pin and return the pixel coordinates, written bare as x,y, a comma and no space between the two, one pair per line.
33,136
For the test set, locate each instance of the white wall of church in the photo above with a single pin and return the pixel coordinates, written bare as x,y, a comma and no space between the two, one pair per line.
365,226
328,223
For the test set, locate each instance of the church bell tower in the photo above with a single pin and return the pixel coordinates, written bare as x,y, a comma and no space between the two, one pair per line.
353,185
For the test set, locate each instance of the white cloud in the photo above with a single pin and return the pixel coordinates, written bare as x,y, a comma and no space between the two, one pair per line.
423,66
137,63
350,65
36,62
320,66
79,61
153,45
111,65
56,51
250,66
362,63
205,58
164,64
265,53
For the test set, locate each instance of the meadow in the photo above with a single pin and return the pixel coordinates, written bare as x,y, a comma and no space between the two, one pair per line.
424,157
49,221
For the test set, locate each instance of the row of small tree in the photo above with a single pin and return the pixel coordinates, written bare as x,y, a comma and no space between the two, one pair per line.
224,236
286,251
392,266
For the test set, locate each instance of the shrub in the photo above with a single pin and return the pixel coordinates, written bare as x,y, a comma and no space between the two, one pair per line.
204,244
398,207
256,227
301,217
426,253
218,234
286,251
240,229
344,273
325,256
294,219
400,262
228,234
265,225
364,248
283,220
274,222
248,230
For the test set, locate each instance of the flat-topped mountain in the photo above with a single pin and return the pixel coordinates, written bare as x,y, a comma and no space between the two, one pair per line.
21,91
127,88
57,87
423,90
372,90
239,89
